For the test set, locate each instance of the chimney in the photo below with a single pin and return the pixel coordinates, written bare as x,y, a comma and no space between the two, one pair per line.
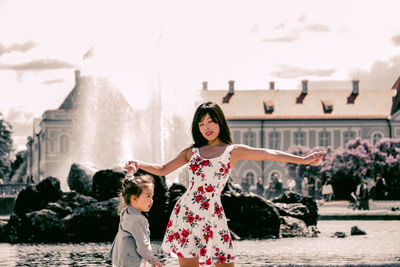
231,87
355,87
304,89
77,77
271,85
205,86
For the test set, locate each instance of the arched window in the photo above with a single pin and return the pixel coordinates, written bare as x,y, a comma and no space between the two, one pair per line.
274,140
299,138
376,137
250,178
249,138
64,144
348,135
324,138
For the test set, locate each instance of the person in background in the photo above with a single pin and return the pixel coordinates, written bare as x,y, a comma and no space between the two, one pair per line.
318,187
269,191
380,187
260,187
291,184
245,185
311,187
304,186
362,194
277,185
327,190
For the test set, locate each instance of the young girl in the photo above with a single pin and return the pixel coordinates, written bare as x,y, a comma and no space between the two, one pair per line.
197,232
131,246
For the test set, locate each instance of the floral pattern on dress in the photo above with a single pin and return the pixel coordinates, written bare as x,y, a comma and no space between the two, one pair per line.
198,225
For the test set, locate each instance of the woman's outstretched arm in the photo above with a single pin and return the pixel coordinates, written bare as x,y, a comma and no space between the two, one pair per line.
158,169
243,152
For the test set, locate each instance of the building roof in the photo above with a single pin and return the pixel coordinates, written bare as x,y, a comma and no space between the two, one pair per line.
291,104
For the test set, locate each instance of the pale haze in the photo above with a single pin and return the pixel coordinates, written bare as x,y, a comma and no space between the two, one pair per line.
177,45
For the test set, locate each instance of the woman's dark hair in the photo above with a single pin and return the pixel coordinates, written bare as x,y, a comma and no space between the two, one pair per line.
133,187
217,115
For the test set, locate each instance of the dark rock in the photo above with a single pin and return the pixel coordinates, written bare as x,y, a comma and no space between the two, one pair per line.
293,227
106,184
97,222
175,192
357,231
59,208
11,231
49,189
35,197
75,200
308,215
250,216
339,235
313,231
80,178
42,226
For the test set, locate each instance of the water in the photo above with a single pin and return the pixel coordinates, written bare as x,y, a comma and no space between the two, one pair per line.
379,247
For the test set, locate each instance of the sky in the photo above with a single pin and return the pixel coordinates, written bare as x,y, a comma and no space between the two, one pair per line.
180,44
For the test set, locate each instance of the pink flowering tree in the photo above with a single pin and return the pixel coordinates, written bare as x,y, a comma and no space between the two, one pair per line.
386,159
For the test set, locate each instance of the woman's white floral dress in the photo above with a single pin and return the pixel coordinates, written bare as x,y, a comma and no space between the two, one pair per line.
198,226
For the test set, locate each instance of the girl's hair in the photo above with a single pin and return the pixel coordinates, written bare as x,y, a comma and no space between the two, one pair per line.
133,187
217,115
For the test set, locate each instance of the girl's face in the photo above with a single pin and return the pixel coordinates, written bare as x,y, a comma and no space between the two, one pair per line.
208,128
145,200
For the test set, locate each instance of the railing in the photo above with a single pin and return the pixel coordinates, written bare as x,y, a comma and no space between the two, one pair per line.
11,189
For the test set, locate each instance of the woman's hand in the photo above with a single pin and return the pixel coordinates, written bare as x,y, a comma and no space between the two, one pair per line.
131,167
314,158
157,264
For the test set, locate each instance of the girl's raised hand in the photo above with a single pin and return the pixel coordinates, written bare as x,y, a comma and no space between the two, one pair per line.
314,158
131,167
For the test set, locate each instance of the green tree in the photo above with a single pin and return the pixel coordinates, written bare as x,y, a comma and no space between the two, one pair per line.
18,167
5,147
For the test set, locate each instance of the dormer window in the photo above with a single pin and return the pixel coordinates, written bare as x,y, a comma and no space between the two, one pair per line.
268,107
327,106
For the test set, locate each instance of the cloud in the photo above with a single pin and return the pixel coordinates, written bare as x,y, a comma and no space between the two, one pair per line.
291,30
21,121
382,75
17,47
283,39
396,40
316,27
38,65
48,82
294,72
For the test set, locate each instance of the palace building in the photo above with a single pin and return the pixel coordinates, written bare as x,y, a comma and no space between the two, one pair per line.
279,119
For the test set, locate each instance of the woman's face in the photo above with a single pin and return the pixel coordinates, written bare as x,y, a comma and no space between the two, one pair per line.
208,128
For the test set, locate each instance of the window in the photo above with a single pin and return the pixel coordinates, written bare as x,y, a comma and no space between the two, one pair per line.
274,140
299,138
250,178
324,138
64,144
348,135
236,137
376,137
249,138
